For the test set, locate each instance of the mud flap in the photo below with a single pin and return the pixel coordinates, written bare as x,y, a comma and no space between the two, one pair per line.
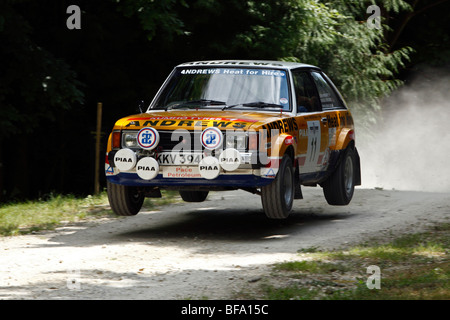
358,169
298,187
298,191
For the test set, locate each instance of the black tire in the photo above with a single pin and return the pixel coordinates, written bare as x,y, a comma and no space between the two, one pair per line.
340,186
124,200
277,198
193,195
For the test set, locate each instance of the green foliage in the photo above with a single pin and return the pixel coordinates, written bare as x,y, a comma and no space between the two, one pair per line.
155,16
29,216
413,267
356,57
293,292
310,266
55,210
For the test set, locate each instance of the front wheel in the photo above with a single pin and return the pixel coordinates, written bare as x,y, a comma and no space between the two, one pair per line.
277,198
339,187
124,200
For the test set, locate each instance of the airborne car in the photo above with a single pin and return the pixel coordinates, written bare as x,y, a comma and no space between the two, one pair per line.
266,127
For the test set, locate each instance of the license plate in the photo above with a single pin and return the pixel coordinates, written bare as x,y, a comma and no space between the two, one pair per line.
177,159
181,172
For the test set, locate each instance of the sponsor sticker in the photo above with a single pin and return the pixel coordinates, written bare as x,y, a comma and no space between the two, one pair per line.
125,159
109,171
181,172
211,138
209,167
230,159
147,168
270,173
235,72
148,138
289,140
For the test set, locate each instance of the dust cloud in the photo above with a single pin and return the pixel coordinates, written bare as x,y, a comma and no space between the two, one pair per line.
409,148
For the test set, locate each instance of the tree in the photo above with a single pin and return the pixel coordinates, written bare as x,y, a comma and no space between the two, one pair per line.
35,87
358,59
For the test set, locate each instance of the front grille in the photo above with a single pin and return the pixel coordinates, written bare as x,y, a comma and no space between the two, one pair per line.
187,140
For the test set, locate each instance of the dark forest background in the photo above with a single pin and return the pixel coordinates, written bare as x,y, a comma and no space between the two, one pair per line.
51,78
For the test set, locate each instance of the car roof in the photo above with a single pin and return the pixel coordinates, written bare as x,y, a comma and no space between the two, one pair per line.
252,63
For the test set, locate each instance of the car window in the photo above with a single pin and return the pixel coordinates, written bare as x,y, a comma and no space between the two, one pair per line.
327,96
305,93
225,86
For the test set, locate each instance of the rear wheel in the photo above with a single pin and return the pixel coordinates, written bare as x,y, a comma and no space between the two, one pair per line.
277,198
340,186
124,200
193,195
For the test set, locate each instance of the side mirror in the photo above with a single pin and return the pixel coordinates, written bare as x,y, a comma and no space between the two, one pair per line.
141,106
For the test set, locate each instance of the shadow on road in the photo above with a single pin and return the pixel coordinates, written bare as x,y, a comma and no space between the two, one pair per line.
212,224
230,225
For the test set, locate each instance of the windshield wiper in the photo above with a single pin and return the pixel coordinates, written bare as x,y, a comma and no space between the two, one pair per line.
201,102
257,104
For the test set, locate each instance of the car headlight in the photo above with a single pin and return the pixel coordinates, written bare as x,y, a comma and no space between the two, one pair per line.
237,141
129,140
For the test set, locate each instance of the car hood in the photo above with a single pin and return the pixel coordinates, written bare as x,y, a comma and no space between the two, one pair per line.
190,120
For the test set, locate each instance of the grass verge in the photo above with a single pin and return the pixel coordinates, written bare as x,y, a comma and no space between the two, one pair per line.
31,216
412,267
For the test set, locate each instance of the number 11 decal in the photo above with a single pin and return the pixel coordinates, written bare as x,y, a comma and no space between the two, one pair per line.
313,151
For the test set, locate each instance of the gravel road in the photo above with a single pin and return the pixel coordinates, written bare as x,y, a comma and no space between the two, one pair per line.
207,250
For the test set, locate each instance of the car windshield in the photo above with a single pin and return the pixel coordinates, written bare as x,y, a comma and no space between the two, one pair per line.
224,88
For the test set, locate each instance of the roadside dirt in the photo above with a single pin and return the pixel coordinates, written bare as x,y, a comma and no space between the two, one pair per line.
209,250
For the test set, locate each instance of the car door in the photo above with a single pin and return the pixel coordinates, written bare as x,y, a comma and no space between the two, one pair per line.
334,111
313,133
